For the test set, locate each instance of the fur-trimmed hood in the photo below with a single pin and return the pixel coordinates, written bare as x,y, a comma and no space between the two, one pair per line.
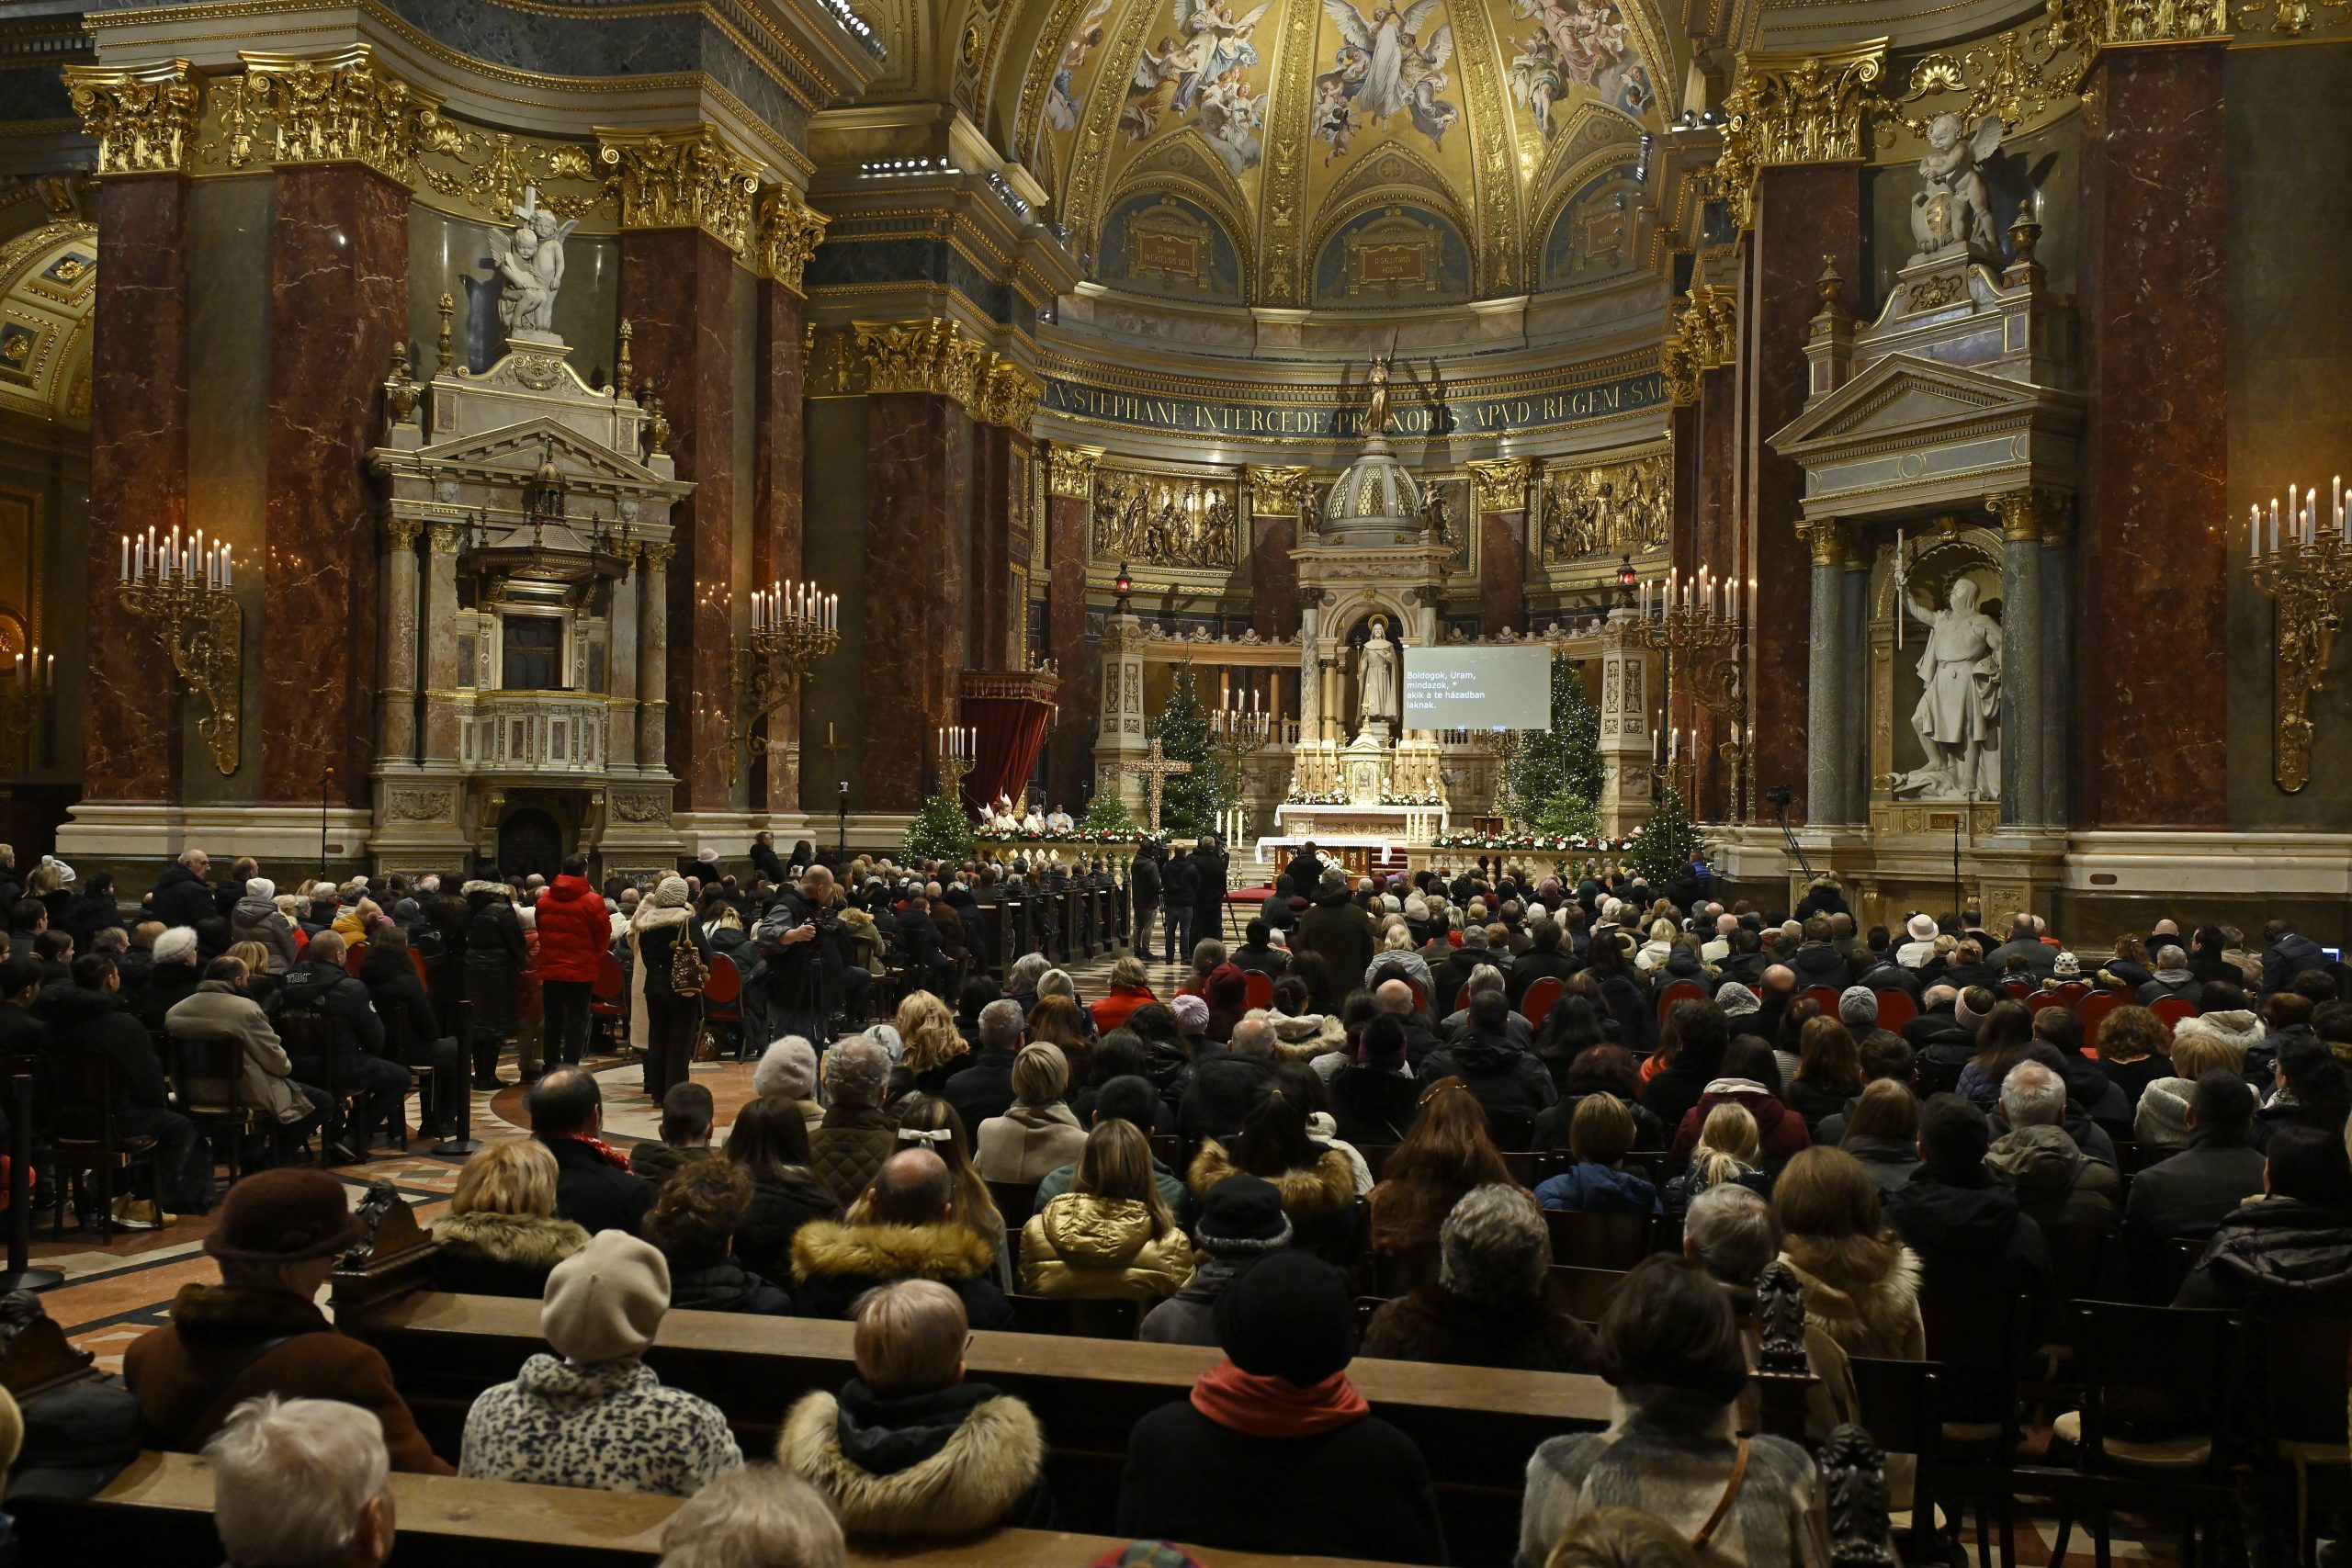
1324,1188
944,1250
969,1485
524,1240
1874,1311
1306,1035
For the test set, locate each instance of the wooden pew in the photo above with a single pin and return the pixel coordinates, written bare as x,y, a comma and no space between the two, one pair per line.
159,1513
1475,1426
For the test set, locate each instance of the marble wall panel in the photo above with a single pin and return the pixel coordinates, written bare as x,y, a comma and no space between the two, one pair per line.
991,577
918,530
1273,576
2153,605
137,479
833,552
1502,570
339,302
1070,750
777,475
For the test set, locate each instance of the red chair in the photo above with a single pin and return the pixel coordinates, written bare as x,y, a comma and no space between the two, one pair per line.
416,960
2072,992
2041,999
1461,998
2093,1012
1420,997
1258,990
1826,995
1682,991
2172,1009
1542,997
722,998
352,956
1895,1009
607,1009
2017,990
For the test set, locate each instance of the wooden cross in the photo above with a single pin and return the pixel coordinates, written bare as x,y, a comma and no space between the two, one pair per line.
1155,769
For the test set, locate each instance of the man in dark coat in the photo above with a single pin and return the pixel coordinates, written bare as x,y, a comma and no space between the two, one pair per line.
914,1235
88,1019
182,897
353,1056
2024,943
765,859
1508,1080
1336,929
2289,1251
985,1089
1817,961
1146,886
2286,954
1178,879
594,1188
2192,1192
1970,1237
1305,869
1209,864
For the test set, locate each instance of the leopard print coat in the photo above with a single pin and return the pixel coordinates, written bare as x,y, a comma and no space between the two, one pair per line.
609,1426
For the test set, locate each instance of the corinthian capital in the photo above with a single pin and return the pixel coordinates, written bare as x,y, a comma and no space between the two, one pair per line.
143,118
790,230
686,178
1797,108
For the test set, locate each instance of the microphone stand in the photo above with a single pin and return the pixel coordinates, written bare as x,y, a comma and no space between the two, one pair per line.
326,782
1790,834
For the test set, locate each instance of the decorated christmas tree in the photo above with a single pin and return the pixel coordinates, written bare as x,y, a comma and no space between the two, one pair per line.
941,831
1189,803
1667,844
1554,782
1109,814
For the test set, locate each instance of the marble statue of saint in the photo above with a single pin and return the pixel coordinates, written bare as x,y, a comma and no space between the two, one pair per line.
1958,718
1954,206
1376,680
531,267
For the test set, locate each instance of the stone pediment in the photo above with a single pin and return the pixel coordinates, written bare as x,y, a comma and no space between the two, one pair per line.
510,454
1908,399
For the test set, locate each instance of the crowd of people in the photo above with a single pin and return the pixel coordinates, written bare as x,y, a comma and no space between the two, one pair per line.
1345,1103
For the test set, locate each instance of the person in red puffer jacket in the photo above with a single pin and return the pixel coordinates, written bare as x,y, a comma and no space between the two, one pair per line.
573,935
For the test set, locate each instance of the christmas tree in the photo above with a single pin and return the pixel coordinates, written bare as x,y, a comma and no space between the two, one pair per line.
1554,782
1188,806
1108,814
941,831
1667,844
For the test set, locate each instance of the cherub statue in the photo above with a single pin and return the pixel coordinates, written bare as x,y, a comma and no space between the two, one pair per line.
1955,206
531,267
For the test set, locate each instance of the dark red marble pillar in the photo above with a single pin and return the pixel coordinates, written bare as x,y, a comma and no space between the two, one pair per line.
677,288
339,302
1070,750
1273,576
1804,213
2155,449
918,458
778,447
138,480
1502,570
1705,459
991,572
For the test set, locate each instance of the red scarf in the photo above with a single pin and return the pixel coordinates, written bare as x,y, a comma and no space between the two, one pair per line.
611,1155
1261,1406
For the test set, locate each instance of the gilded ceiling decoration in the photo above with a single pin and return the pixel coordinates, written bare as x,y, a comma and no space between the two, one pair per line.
1350,154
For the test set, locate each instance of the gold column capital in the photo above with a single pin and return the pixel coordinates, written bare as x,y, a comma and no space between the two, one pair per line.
1827,537
936,356
657,555
1797,108
1006,394
684,177
2036,515
790,230
1499,485
340,108
142,117
1277,491
400,534
442,538
1070,470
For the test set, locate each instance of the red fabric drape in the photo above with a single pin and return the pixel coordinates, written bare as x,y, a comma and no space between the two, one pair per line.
1008,733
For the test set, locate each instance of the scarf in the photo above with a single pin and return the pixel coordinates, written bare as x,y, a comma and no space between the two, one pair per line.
611,1155
1261,1406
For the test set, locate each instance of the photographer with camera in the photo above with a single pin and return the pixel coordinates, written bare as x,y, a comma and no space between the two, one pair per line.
806,949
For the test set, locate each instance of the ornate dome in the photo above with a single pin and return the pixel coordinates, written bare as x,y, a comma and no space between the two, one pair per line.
1337,153
1375,494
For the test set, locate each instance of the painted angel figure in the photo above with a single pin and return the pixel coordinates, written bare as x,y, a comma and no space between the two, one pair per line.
1385,37
1954,206
1232,117
1432,116
1220,43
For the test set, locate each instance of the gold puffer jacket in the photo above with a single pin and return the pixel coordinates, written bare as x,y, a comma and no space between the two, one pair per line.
1081,1244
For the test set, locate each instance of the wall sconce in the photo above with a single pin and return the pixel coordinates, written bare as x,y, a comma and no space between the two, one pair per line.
2305,569
186,587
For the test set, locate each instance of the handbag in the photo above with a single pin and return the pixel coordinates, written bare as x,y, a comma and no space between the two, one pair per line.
688,973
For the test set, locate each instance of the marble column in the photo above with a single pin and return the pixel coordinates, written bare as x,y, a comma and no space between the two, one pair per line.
396,704
2154,600
339,304
677,286
2022,690
778,475
991,551
620,663
441,674
2057,662
1069,749
1854,678
919,456
138,480
1802,214
1498,493
1825,725
653,657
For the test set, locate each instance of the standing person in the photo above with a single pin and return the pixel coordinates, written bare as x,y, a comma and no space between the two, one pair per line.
803,943
494,955
1146,886
1178,878
1336,929
670,1018
573,936
1210,864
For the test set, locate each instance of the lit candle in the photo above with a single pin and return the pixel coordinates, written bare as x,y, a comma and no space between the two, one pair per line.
2274,525
2253,534
126,558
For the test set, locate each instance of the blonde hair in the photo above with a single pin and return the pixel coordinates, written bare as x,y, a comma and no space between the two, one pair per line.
928,1030
1040,1074
515,1176
910,1337
253,954
1128,970
1116,1164
2197,1053
286,904
1727,1145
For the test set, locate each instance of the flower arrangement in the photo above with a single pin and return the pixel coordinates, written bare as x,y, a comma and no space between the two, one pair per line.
1318,797
1558,843
1413,797
1063,836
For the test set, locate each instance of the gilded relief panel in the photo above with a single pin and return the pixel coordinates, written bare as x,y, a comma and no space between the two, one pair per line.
1591,513
1165,520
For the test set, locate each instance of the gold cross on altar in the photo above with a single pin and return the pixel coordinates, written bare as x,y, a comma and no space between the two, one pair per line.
1155,769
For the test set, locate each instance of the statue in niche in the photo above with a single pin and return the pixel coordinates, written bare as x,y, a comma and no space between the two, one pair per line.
1958,718
1954,206
1376,684
530,267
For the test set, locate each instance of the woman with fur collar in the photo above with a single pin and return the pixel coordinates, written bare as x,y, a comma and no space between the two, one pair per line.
1110,1234
910,1224
1037,1134
1861,1285
1300,1033
1317,1182
501,1237
909,1450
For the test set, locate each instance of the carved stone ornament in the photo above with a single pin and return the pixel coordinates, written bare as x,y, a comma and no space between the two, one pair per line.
790,230
1796,108
1277,491
143,119
637,805
1611,508
1007,395
1070,470
934,356
419,805
1853,1486
342,107
686,178
2037,516
1500,484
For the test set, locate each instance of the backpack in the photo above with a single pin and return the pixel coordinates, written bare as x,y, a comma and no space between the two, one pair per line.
688,973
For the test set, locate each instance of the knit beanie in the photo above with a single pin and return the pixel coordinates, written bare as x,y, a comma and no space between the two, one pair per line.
670,893
1288,1315
2066,967
605,1302
1191,1014
260,887
1241,1218
1736,1001
1858,1004
1968,1018
1921,927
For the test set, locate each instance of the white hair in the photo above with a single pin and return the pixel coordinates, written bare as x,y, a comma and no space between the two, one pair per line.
1027,970
857,1070
189,857
1485,977
2033,1096
759,1514
292,1477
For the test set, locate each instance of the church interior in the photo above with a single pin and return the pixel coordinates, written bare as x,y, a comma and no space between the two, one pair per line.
460,438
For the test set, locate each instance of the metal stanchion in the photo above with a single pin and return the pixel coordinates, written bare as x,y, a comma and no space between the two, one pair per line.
21,1274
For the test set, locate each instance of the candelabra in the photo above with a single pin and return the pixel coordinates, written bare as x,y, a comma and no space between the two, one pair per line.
1234,733
957,748
793,625
186,588
1701,619
25,691
2306,572
1502,746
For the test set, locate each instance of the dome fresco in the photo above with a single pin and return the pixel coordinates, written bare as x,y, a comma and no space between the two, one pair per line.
1341,153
